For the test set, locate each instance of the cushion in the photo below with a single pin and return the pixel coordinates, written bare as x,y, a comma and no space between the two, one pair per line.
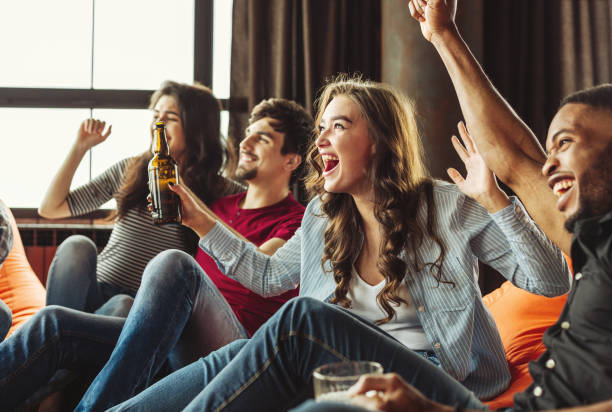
521,319
20,288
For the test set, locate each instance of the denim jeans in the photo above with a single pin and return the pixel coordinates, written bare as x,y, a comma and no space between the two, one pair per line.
175,294
6,319
312,406
54,338
272,370
175,297
72,277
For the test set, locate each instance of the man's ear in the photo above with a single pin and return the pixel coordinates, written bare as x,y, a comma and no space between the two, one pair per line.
292,161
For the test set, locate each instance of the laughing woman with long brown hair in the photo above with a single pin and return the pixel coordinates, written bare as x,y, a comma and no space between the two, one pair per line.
387,263
81,279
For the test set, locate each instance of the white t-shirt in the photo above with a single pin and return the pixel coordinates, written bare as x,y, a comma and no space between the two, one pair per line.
405,325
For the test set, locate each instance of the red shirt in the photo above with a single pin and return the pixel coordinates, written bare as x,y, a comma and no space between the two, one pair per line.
280,220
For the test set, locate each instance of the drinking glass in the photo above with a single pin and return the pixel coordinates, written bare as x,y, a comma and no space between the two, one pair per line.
332,381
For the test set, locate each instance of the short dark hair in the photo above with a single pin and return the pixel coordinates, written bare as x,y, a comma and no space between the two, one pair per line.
291,119
599,97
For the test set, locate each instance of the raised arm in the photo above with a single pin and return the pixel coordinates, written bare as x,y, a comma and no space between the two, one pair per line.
507,145
55,205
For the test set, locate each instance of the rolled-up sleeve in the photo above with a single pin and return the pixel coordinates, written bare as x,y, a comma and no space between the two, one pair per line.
515,246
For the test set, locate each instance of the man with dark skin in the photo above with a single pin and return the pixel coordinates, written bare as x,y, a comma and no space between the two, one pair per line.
566,191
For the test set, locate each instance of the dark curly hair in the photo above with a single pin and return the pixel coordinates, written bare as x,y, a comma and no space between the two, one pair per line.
401,189
293,120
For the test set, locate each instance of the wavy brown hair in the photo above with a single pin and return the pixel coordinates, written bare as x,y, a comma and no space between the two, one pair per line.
401,187
205,154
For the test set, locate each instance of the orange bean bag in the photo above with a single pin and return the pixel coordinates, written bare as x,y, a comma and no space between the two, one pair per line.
521,319
20,288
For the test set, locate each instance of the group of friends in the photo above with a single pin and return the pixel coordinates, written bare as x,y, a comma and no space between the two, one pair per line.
381,265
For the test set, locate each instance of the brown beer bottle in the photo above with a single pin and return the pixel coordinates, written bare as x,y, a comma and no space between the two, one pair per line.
163,170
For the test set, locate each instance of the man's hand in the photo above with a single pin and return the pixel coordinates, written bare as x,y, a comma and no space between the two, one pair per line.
480,183
390,393
193,211
435,16
91,132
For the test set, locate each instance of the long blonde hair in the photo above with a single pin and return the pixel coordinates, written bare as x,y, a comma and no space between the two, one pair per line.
400,184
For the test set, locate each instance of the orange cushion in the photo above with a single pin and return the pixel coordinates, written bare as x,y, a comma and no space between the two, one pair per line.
521,319
20,288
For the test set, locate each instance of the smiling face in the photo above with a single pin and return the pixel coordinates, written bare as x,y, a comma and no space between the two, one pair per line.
260,153
345,147
579,160
167,110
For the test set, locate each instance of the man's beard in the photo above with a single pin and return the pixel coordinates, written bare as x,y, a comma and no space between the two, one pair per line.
245,174
595,194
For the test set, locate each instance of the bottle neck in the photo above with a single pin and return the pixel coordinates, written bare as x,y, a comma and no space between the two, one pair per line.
160,147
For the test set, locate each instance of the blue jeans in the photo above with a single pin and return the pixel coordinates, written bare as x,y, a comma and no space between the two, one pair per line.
175,297
54,338
72,278
312,406
272,370
6,319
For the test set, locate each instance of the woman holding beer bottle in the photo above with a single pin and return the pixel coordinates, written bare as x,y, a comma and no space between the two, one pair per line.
81,279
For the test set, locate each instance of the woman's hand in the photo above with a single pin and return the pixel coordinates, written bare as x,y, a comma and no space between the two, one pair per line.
435,16
389,393
480,183
91,132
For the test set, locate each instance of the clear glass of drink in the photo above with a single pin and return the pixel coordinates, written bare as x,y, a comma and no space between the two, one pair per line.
332,381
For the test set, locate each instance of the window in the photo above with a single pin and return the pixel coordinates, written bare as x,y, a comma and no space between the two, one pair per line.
101,59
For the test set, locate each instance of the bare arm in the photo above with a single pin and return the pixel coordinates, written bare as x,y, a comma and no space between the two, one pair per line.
507,145
54,204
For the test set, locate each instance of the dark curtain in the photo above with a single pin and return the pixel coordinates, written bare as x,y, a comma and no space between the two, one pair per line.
287,48
537,52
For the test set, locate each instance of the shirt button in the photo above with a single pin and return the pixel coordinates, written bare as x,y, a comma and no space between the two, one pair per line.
421,308
565,325
537,391
578,276
550,363
437,345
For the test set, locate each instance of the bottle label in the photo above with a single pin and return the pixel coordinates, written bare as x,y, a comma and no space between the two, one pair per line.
166,203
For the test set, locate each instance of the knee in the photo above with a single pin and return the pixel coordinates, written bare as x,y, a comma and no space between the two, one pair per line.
76,250
118,305
50,318
301,310
169,266
79,245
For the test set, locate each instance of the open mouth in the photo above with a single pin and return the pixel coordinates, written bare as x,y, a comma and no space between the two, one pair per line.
330,162
247,157
563,186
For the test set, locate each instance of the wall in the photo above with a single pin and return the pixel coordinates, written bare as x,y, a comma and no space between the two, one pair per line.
411,63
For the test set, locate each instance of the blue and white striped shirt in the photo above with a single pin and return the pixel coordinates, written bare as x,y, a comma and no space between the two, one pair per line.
457,324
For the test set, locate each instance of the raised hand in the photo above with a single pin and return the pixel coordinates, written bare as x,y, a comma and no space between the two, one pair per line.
91,132
389,393
480,183
435,16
